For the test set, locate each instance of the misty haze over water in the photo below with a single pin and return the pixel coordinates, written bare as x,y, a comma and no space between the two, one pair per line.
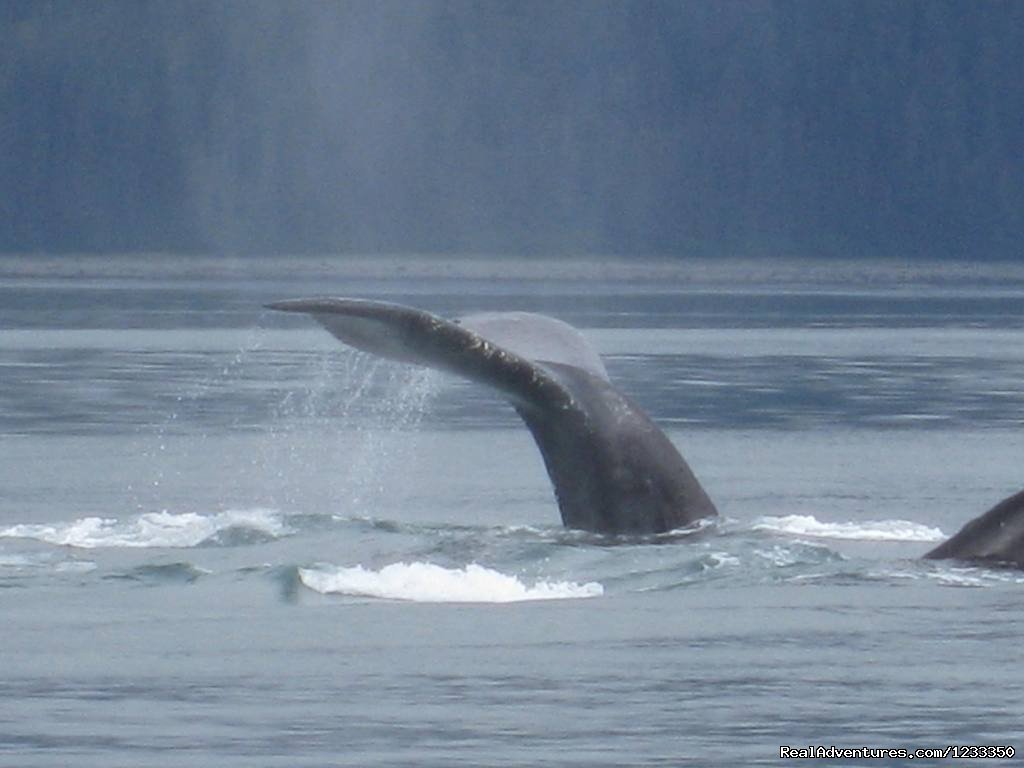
790,229
799,127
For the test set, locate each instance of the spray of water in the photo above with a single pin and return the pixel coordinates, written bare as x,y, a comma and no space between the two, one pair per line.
338,432
204,392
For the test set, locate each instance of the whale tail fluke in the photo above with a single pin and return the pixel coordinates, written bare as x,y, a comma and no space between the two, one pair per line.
612,469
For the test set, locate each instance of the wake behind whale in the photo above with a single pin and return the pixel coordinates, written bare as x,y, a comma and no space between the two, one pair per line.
613,470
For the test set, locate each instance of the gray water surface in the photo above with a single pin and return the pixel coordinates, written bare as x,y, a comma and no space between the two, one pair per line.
226,540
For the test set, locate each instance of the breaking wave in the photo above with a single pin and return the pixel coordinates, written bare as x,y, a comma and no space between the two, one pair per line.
158,529
870,530
429,583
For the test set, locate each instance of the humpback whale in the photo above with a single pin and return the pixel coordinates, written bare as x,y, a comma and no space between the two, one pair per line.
613,470
994,538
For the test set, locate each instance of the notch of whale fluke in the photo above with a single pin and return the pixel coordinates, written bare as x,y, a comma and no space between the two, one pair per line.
613,470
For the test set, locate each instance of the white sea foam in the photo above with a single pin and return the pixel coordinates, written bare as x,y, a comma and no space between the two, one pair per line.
868,530
974,577
722,559
156,529
75,566
16,561
954,576
781,557
429,583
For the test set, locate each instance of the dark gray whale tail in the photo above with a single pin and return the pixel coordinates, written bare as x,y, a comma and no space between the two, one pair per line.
994,538
613,470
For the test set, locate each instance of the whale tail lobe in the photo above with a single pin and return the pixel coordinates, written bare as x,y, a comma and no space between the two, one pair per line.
409,335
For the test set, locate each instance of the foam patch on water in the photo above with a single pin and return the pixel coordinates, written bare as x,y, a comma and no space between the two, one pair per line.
157,529
955,576
721,560
869,530
75,566
16,561
429,583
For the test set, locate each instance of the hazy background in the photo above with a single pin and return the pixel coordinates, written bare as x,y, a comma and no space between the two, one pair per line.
750,128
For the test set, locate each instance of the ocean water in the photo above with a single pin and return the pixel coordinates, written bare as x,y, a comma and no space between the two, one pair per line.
226,540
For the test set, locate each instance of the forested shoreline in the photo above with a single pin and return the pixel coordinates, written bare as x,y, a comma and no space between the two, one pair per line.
758,128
